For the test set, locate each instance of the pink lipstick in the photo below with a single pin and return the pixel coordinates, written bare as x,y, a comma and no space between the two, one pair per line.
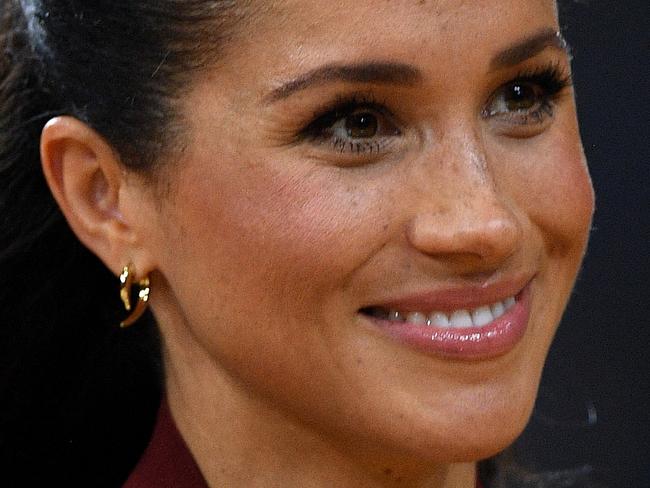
466,324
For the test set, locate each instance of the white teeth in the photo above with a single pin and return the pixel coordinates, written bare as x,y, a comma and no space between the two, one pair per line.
460,319
498,310
439,319
482,316
395,316
416,318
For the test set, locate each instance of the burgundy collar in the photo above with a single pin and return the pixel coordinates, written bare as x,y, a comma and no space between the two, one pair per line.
167,462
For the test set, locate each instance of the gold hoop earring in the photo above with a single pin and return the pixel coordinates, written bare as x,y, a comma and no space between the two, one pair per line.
126,282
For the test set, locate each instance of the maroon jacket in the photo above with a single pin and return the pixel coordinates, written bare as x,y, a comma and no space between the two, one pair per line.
167,462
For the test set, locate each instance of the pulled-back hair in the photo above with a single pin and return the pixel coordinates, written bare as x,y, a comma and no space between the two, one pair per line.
77,395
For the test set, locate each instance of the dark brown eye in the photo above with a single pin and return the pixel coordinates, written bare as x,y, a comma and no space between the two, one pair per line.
521,102
521,97
361,125
355,127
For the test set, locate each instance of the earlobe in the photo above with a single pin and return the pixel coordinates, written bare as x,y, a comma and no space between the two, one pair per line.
85,177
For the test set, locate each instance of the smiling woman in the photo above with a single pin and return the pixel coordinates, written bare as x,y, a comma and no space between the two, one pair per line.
357,227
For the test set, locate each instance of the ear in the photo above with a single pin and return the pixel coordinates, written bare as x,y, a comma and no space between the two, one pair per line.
86,178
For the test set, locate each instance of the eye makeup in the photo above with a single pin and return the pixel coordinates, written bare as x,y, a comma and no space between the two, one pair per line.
529,98
362,127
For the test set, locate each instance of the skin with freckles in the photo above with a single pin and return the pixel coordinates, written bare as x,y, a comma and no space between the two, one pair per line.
294,205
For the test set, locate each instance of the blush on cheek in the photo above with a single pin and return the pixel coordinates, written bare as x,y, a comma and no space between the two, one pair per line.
276,222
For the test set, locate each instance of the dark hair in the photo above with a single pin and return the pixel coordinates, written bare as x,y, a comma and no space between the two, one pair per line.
78,395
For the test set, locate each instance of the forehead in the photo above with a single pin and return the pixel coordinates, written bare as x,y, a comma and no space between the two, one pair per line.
309,16
445,39
300,30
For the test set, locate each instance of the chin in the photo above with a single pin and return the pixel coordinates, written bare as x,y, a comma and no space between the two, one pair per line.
486,420
486,431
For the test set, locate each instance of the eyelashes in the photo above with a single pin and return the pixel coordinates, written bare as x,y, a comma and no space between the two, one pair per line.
528,99
358,124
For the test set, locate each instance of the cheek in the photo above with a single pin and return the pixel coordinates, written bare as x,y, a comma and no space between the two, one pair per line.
557,194
275,238
290,226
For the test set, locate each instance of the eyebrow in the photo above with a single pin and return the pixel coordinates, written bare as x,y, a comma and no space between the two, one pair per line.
394,73
380,72
529,48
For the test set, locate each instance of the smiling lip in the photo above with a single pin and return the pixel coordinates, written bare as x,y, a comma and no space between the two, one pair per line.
470,343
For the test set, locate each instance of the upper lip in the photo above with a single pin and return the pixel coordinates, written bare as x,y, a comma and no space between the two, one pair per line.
449,298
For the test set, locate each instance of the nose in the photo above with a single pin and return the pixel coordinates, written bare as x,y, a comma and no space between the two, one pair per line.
469,222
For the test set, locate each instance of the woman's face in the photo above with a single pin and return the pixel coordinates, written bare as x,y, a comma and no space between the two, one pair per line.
357,180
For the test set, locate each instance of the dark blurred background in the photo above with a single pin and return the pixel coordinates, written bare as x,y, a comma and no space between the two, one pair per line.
593,413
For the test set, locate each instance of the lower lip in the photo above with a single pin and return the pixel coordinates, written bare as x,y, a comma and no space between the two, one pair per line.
472,343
